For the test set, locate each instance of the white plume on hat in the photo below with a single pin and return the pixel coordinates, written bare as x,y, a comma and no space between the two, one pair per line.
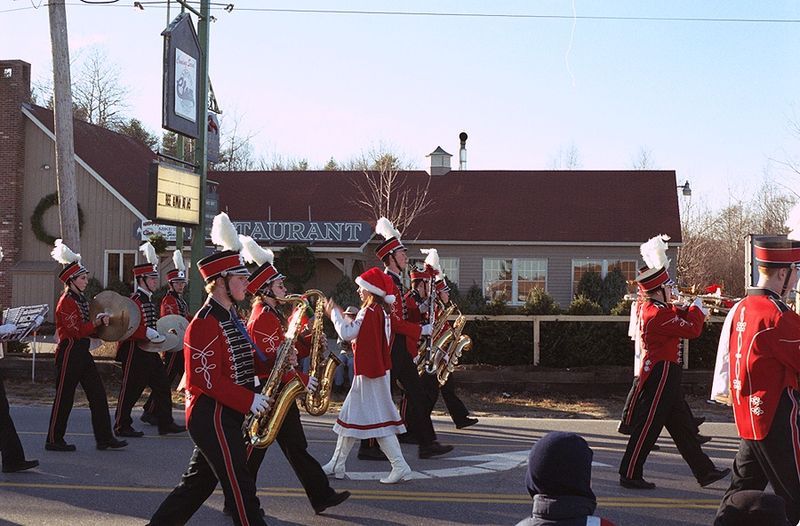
1,253
432,259
385,228
177,260
63,254
793,223
253,253
654,252
224,234
149,252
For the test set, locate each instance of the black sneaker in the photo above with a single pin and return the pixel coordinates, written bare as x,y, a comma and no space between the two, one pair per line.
713,476
129,432
625,482
371,453
149,418
466,423
334,499
112,444
59,446
22,466
434,449
171,428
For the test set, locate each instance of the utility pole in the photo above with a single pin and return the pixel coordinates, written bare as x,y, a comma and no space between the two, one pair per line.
200,156
62,114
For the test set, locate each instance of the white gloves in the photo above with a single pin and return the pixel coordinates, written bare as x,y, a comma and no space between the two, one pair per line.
313,385
7,329
427,330
153,335
260,404
102,315
699,304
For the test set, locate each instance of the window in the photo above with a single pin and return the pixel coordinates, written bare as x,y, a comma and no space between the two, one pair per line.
513,279
119,266
603,267
450,268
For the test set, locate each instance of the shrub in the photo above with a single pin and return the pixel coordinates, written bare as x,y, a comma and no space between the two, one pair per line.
591,286
583,306
623,308
125,289
540,302
614,289
93,288
474,302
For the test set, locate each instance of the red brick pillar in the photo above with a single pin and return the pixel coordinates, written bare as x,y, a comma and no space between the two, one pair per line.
15,89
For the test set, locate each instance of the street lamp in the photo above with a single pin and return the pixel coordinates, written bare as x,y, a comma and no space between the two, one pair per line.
685,189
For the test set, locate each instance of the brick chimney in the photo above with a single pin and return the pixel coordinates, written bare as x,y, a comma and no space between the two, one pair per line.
15,90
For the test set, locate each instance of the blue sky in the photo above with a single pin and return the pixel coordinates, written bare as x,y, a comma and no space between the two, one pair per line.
712,100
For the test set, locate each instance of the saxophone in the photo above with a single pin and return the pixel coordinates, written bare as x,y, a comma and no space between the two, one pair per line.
449,344
321,367
261,430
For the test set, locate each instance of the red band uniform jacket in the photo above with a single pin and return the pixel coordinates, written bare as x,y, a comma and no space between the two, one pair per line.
219,360
148,319
266,329
401,325
661,328
764,360
72,321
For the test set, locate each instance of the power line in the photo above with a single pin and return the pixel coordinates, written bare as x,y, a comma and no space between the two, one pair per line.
221,6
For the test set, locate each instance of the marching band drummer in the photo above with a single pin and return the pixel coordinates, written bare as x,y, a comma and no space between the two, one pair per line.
659,401
764,363
11,452
266,327
141,368
220,391
74,363
172,304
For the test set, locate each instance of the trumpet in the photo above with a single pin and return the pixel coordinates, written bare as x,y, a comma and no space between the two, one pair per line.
716,304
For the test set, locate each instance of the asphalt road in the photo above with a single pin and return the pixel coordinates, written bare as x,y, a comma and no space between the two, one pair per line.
481,482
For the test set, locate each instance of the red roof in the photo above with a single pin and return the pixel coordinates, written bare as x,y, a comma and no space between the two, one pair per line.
482,205
486,205
122,161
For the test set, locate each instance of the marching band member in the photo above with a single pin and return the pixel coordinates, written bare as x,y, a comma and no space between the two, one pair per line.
74,363
220,391
141,368
764,367
266,327
368,410
659,401
418,306
403,344
455,406
11,452
173,303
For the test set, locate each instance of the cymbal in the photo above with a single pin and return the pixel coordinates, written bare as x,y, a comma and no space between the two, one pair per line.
170,344
125,316
173,324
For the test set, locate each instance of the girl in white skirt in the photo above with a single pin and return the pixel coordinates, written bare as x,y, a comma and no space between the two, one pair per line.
368,411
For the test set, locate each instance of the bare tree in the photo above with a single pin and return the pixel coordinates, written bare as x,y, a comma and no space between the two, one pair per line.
236,148
643,160
98,94
713,248
567,158
383,190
